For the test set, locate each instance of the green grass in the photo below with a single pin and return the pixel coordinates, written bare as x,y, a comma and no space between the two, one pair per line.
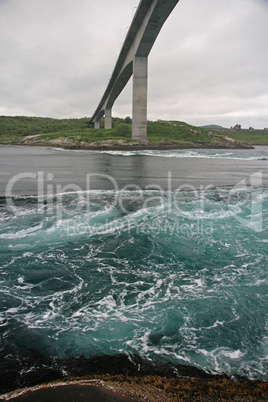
178,132
76,131
12,128
254,137
87,135
16,128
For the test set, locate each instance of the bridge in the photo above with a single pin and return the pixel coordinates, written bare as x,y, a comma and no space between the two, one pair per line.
133,59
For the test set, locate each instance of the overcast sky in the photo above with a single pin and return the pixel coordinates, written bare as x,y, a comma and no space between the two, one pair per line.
209,64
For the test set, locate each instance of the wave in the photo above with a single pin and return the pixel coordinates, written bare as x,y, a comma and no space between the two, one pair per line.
200,154
189,153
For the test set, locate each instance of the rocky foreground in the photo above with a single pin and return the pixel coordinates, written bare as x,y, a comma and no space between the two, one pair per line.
146,388
116,378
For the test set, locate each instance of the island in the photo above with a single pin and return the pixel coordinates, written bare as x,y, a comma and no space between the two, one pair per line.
161,134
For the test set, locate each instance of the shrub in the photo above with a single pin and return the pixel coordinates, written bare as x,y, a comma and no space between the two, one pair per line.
122,129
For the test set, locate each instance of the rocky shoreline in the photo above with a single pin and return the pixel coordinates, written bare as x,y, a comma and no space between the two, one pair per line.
124,145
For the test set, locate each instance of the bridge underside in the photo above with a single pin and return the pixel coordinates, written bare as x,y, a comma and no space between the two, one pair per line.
133,60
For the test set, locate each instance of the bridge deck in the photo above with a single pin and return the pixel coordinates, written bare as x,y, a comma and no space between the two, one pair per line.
145,27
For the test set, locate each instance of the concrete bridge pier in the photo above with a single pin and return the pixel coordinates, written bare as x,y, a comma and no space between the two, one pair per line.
133,59
139,98
108,118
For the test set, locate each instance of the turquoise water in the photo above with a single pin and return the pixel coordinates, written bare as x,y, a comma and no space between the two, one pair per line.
174,276
178,278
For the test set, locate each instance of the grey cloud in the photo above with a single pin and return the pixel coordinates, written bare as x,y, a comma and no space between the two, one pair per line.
208,65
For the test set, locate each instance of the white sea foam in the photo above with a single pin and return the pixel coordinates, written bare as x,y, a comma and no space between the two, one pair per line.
188,153
181,297
200,154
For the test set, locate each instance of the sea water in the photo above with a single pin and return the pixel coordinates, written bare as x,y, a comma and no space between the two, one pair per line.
174,273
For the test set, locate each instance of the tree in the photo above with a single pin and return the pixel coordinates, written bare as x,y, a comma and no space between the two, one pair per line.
128,120
237,127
